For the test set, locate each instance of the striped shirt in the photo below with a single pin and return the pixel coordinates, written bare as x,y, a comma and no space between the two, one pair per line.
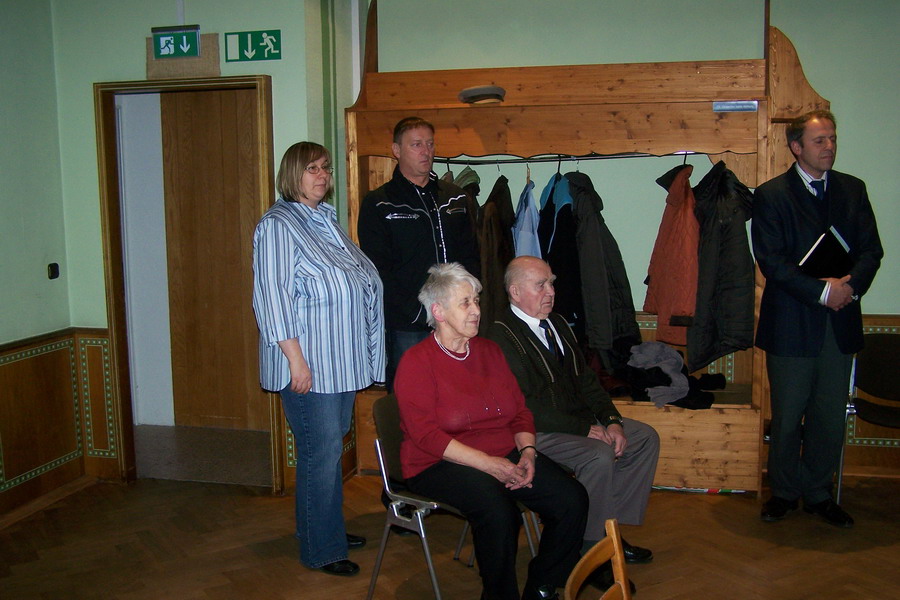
312,283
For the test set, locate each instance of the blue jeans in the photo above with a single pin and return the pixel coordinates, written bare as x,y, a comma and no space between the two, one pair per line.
319,423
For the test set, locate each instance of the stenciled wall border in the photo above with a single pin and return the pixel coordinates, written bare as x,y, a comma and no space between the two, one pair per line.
67,345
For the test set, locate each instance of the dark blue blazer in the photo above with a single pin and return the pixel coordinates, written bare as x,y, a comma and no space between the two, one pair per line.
787,220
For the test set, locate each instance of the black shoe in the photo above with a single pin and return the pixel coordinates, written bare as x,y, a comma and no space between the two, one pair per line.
343,568
831,512
355,541
543,592
635,554
776,508
602,578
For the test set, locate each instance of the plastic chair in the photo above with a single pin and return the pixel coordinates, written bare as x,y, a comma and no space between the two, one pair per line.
875,373
407,509
607,549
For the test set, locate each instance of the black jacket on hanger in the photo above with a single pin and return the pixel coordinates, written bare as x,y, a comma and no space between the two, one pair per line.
562,255
495,219
609,315
723,321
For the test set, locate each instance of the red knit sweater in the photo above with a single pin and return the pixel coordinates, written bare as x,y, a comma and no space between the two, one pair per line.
476,401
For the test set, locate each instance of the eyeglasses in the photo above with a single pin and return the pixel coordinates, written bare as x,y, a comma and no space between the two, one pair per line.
314,169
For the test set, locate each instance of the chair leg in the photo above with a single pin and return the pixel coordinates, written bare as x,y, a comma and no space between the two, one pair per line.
431,572
528,534
840,469
381,549
462,540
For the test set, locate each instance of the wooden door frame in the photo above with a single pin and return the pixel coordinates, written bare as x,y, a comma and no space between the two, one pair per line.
113,264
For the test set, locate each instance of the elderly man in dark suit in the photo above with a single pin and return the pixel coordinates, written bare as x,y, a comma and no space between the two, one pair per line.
577,424
810,326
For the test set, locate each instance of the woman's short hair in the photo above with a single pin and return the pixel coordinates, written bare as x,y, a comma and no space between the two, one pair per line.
442,280
293,165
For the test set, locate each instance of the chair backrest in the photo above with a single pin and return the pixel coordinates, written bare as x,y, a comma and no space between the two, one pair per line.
387,426
877,373
607,549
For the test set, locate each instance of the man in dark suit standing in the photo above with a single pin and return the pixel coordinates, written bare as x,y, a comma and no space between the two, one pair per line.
810,327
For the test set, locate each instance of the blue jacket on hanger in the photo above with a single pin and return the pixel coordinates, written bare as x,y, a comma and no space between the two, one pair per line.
525,229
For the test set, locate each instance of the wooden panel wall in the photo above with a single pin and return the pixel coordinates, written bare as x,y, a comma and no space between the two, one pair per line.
627,83
57,414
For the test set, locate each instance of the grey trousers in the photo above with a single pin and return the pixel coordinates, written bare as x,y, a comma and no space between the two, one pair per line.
809,403
617,488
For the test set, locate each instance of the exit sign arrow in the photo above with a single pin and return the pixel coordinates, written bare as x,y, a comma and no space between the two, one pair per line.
249,52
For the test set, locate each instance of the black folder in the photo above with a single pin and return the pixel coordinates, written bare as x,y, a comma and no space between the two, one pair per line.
829,256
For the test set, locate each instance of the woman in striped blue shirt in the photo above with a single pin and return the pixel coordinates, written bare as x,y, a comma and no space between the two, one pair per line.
318,304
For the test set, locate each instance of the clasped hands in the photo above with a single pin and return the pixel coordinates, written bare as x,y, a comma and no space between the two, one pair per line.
840,294
514,475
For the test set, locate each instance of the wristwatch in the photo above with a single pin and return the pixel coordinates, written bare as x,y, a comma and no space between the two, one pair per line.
613,420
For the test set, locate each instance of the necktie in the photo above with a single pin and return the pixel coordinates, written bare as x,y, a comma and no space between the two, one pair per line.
819,186
551,339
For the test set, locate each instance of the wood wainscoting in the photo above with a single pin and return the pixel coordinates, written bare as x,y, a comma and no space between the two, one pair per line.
59,419
57,414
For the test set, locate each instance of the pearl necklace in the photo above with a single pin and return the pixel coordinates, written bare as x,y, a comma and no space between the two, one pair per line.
447,352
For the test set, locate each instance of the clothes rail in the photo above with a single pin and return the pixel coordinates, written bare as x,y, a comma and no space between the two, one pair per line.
541,158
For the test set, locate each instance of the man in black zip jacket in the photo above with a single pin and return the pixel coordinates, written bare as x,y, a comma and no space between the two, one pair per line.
412,222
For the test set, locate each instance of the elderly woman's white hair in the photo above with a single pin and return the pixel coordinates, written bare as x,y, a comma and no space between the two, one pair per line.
442,280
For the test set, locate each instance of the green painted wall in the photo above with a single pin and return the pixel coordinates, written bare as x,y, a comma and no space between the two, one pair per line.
849,53
105,41
31,210
435,34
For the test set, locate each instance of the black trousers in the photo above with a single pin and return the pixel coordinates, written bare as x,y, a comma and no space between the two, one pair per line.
491,509
809,400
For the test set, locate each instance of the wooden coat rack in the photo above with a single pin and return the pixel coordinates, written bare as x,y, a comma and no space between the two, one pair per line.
653,108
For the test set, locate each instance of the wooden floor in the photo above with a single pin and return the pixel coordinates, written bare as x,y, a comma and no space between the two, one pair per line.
161,539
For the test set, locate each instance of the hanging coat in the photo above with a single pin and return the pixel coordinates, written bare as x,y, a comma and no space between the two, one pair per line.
470,182
556,231
723,320
608,306
672,274
525,230
496,220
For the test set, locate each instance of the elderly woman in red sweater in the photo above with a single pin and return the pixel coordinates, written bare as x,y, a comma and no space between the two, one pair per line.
469,442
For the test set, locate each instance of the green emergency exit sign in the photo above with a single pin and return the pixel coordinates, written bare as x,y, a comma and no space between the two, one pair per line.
176,42
253,45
